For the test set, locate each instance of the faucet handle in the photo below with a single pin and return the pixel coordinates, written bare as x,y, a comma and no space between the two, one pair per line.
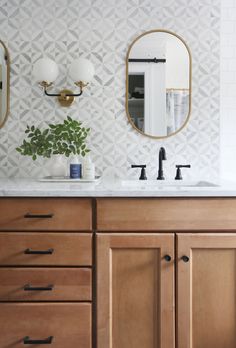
143,171
178,171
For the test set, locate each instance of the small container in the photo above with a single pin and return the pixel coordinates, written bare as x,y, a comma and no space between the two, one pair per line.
75,168
88,168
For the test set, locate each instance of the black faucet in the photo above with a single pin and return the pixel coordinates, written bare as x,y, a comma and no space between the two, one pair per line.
178,171
143,172
162,157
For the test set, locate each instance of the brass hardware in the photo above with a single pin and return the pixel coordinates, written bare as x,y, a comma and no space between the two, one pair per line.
81,85
127,83
64,99
45,84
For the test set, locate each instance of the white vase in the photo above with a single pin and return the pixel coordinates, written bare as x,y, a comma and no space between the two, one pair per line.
58,166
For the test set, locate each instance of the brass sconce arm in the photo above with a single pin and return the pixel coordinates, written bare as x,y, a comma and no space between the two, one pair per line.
66,96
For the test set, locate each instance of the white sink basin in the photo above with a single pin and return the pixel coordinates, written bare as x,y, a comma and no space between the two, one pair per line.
159,184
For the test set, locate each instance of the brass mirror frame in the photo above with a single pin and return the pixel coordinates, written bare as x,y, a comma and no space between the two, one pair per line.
127,83
8,83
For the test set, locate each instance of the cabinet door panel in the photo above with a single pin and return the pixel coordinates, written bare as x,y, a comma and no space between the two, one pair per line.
206,291
135,291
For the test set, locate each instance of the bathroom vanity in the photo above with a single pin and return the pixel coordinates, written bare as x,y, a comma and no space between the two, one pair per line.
84,269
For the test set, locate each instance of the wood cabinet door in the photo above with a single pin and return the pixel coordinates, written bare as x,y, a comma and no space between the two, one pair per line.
206,290
135,290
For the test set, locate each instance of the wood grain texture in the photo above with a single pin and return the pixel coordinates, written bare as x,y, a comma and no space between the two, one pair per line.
166,214
69,323
135,291
69,284
206,291
69,214
70,249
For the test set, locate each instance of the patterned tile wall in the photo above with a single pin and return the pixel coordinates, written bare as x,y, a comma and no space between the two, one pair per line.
228,90
102,30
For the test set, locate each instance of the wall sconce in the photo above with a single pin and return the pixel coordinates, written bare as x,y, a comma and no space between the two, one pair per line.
46,71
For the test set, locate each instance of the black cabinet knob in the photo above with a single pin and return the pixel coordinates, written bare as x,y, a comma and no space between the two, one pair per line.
185,258
167,258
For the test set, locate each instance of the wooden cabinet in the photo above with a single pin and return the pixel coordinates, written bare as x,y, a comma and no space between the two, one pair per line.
165,272
136,296
135,290
206,291
46,272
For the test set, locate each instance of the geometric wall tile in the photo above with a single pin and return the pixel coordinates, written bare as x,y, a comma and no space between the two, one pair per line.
102,31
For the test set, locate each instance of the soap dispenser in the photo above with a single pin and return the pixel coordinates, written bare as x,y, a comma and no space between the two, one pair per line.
75,168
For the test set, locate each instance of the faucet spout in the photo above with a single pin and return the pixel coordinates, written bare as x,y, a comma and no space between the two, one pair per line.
162,157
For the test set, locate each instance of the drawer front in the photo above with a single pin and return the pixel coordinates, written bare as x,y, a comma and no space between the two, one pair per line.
45,284
166,214
45,214
64,324
45,249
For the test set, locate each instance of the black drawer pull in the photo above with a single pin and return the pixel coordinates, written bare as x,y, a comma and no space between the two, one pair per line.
28,340
29,287
38,216
39,252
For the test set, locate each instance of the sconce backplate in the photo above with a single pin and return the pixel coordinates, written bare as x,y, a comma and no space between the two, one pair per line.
65,100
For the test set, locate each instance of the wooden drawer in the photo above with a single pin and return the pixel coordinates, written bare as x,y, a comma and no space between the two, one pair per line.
166,214
68,323
45,249
45,214
45,284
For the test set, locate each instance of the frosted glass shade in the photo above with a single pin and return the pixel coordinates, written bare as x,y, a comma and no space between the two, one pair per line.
82,70
45,69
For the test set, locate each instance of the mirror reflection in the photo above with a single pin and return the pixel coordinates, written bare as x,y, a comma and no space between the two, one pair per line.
158,77
4,83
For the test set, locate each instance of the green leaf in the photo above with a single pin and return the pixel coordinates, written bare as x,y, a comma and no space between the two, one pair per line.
45,132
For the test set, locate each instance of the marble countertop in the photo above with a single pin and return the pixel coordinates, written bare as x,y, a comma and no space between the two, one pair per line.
107,188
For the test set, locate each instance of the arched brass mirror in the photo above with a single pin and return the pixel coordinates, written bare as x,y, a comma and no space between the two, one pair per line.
4,83
158,83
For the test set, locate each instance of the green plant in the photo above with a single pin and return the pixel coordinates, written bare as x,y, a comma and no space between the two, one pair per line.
64,138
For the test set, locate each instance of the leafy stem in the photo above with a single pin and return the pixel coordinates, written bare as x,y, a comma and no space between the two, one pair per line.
64,138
